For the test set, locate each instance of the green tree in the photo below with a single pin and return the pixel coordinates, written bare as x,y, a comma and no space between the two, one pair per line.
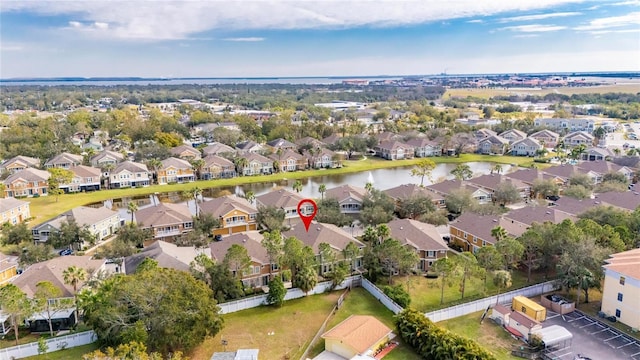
34,253
329,212
502,280
43,348
15,234
71,233
577,192
490,260
415,206
58,177
423,168
462,172
377,208
238,260
46,291
277,292
499,233
74,276
132,207
497,168
445,268
580,265
511,250
506,193
394,258
305,279
176,311
351,253
322,189
468,267
15,304
533,245
133,234
544,188
270,218
327,257
459,200
297,186
583,180
250,196
274,245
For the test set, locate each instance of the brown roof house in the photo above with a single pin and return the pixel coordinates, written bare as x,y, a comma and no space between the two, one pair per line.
289,160
167,255
186,152
578,138
218,149
394,150
259,272
174,170
28,182
165,220
236,214
129,174
537,214
256,165
406,191
64,161
357,335
349,197
491,182
18,163
493,145
217,167
423,238
85,178
600,168
444,188
283,144
472,231
423,147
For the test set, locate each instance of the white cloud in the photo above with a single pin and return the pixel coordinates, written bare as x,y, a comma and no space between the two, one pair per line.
627,3
539,16
476,21
521,36
625,31
5,47
534,28
611,22
77,25
170,19
245,39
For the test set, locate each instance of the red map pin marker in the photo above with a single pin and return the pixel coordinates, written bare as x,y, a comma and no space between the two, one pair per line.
306,219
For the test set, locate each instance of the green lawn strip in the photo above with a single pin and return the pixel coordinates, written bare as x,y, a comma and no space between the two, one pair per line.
47,207
425,293
293,326
488,334
360,302
70,353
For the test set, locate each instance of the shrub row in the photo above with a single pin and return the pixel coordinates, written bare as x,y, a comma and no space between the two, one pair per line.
397,294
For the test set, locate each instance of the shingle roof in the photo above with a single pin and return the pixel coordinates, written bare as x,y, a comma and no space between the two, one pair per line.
64,158
579,134
176,163
527,141
225,204
417,234
518,133
523,319
256,157
280,198
538,214
163,214
626,263
218,148
166,254
281,143
51,270
408,190
107,153
422,142
309,140
84,215
322,233
600,166
182,148
216,160
359,332
130,166
287,154
346,191
447,186
545,133
481,226
28,174
250,240
10,203
86,171
629,200
28,161
392,145
494,139
491,181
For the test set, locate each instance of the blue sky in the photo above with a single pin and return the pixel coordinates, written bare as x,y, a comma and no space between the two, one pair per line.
191,38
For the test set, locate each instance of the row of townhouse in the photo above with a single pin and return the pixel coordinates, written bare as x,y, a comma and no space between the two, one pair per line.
518,143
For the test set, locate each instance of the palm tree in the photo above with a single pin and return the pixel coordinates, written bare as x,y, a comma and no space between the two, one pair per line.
154,165
502,280
74,276
499,233
241,163
322,189
497,168
297,186
198,164
132,207
368,186
250,196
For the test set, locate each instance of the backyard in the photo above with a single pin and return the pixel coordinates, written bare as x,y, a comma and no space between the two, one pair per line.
72,353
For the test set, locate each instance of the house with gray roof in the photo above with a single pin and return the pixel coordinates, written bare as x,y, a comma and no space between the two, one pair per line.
64,161
250,147
423,238
484,133
406,191
349,197
186,152
167,255
218,149
285,200
289,160
546,138
129,174
309,141
525,147
281,144
27,183
491,182
423,147
444,188
598,169
257,165
101,222
513,135
106,159
597,154
628,200
217,167
472,231
13,211
578,138
174,170
323,158
85,179
165,220
529,215
18,163
492,145
394,150
565,125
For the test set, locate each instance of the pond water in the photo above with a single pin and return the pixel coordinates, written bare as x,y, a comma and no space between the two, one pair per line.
382,179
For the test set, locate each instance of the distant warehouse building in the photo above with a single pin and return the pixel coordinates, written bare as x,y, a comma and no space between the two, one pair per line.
567,125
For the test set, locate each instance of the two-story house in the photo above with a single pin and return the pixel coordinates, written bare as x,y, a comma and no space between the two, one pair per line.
165,220
285,200
289,160
323,158
597,154
101,222
64,161
492,145
422,238
525,147
622,287
186,152
578,138
219,149
85,178
217,167
472,231
27,183
349,197
600,168
444,188
281,144
513,135
236,214
565,125
106,159
18,163
250,147
13,211
257,165
129,174
546,138
168,256
394,150
423,147
260,270
406,191
492,182
8,270
174,170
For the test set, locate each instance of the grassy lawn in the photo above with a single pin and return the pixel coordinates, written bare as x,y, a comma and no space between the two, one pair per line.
488,334
487,93
360,302
425,293
47,207
72,353
293,326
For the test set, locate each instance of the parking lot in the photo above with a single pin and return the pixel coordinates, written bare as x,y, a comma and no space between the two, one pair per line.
593,339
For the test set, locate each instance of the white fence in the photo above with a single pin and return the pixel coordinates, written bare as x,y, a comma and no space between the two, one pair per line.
482,304
382,297
295,293
54,344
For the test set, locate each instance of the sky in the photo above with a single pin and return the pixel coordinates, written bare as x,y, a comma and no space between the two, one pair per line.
189,38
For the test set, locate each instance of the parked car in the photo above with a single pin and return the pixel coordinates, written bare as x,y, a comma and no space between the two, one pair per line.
553,197
65,252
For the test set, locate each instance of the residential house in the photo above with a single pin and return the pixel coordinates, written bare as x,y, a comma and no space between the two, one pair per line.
349,197
513,135
8,269
515,322
324,159
597,154
101,222
529,215
357,335
546,138
319,233
281,144
129,174
406,191
622,287
423,238
331,139
165,220
258,273
53,271
484,133
217,167
564,171
384,136
18,163
491,182
168,255
106,159
174,170
13,211
218,149
236,214
472,231
289,160
64,161
525,147
628,200
186,152
250,147
285,200
600,168
257,165
85,179
444,188
574,206
492,145
394,150
578,138
27,183
309,142
423,147
530,176
565,125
